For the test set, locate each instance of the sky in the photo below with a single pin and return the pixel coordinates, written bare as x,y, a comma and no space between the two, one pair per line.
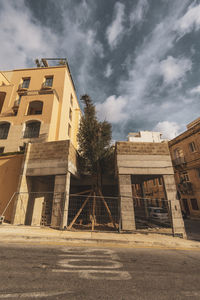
139,60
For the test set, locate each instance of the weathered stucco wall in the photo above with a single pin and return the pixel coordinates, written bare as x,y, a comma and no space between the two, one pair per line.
10,168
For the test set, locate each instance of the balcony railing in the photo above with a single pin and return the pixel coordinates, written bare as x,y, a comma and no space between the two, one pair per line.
22,87
185,187
179,161
46,86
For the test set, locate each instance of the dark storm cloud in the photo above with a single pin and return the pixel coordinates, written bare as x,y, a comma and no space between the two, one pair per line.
139,60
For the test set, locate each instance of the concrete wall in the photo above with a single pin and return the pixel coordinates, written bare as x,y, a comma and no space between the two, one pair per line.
44,159
10,168
145,159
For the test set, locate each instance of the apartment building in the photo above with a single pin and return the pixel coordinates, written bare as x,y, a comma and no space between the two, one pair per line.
185,153
39,114
36,105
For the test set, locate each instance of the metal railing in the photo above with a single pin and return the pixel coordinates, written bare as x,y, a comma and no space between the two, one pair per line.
179,161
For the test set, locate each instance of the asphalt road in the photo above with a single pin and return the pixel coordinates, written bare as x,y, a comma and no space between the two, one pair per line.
61,272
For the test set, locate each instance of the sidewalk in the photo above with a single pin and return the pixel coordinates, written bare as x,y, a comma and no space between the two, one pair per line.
27,234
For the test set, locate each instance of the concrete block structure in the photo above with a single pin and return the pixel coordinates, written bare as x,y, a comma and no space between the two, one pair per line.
138,162
44,184
185,153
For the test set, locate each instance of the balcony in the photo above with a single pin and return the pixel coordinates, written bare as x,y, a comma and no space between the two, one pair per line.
16,106
46,86
179,161
22,89
185,187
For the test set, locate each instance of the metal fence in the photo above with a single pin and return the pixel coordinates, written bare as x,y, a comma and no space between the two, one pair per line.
153,215
89,212
93,213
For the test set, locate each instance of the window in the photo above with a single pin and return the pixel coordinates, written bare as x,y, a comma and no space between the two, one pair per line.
26,82
69,130
1,150
184,177
70,114
48,81
198,172
35,108
4,129
194,204
32,129
159,180
2,98
154,181
71,100
192,147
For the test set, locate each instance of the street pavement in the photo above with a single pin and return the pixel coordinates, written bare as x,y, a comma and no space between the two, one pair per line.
33,271
28,234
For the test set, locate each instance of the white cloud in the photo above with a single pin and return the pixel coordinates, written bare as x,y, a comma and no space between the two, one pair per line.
195,90
174,69
116,29
113,109
108,72
138,13
168,129
190,21
22,38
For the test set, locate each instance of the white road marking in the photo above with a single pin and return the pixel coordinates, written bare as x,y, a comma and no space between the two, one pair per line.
90,274
33,294
191,293
106,261
113,256
68,263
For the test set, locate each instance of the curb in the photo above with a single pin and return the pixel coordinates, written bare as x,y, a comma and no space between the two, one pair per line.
10,239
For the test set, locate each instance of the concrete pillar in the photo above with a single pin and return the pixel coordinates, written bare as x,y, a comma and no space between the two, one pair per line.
126,203
21,204
60,201
22,195
177,220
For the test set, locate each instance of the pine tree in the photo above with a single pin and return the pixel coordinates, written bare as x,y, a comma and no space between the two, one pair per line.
94,140
95,152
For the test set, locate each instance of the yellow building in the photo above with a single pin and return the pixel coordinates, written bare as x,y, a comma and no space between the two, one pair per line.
185,152
36,105
39,114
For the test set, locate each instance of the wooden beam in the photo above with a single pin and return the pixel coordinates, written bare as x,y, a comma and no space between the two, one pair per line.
79,212
108,209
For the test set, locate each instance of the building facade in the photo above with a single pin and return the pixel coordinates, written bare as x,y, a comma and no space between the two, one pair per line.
39,114
185,153
37,105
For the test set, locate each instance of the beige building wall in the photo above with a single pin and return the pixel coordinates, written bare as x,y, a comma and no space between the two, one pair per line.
10,167
56,116
185,153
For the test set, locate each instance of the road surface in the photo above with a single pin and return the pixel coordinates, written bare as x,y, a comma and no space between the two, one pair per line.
62,272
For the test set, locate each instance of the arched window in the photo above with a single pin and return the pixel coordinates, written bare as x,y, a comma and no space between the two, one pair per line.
4,129
35,108
32,129
2,98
